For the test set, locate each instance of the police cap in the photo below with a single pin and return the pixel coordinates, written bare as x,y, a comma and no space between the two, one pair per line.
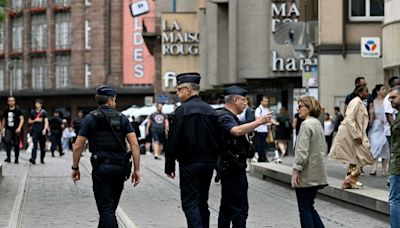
191,77
235,90
106,91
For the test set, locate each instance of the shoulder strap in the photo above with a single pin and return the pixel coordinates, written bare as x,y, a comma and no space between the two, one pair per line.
224,111
112,130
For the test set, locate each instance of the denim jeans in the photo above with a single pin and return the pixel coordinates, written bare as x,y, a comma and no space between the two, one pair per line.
309,217
394,200
195,182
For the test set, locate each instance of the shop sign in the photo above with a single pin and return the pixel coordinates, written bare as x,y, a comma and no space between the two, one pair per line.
370,47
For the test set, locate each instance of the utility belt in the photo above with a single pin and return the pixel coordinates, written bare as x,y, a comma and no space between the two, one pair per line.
231,163
126,163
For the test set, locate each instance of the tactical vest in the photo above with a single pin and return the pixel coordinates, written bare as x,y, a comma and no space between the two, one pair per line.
102,138
238,145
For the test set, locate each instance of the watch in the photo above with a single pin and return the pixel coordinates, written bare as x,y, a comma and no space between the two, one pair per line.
75,168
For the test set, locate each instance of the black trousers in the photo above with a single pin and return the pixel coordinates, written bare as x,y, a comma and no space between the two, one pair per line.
234,201
55,139
38,137
14,142
108,183
195,182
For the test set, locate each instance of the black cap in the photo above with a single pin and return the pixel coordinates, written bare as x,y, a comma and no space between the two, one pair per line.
106,91
191,77
235,90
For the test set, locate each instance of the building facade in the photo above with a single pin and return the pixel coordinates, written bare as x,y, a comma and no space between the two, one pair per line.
344,25
390,35
61,50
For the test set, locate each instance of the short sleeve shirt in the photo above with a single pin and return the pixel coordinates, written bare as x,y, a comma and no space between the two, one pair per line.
38,126
261,111
388,109
12,117
158,121
227,122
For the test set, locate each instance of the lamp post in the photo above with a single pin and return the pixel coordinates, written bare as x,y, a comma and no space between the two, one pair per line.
11,68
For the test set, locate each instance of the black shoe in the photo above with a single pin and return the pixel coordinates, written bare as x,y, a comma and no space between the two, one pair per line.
16,162
7,160
32,161
42,161
62,154
52,154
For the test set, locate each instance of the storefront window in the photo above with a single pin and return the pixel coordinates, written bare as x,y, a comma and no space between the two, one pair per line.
366,10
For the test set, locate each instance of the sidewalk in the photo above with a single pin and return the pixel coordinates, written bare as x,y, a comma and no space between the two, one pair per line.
374,194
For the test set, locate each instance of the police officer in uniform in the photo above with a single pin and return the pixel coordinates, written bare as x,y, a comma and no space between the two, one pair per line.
193,140
106,130
234,202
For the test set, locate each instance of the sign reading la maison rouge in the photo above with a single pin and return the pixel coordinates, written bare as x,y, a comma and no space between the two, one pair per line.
284,11
176,42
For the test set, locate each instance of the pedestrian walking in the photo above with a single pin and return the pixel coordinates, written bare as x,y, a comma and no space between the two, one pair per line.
377,138
157,126
309,173
12,121
338,118
56,129
234,201
283,132
76,124
351,144
394,169
106,130
194,141
261,132
368,102
38,119
248,113
329,127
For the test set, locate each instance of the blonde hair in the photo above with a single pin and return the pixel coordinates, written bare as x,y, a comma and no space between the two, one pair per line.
312,104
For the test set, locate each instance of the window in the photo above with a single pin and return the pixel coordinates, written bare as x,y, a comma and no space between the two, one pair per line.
62,72
17,5
63,30
88,2
39,32
88,75
39,4
62,2
2,34
39,73
366,10
17,75
17,34
88,29
2,73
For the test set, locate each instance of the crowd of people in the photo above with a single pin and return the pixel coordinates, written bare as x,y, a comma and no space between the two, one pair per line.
41,129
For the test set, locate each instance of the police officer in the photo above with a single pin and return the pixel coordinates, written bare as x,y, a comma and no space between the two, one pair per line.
193,140
106,130
234,203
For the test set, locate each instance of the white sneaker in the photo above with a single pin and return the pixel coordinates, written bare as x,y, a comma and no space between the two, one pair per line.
278,161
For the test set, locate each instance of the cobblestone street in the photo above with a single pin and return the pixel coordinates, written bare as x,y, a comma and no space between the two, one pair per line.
53,200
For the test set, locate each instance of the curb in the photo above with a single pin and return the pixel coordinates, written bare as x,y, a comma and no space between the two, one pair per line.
370,198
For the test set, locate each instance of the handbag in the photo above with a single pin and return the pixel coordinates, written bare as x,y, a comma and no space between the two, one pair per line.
270,136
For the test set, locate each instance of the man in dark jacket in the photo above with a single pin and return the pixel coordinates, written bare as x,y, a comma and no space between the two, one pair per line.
193,140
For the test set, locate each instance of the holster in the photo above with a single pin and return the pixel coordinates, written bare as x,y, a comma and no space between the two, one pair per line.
231,163
126,163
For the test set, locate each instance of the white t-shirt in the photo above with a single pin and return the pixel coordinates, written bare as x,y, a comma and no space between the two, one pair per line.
329,127
261,111
388,109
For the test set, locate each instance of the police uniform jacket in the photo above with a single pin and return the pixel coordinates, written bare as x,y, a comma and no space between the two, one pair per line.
194,134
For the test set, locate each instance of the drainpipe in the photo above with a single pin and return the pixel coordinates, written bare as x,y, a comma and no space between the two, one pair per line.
173,6
344,16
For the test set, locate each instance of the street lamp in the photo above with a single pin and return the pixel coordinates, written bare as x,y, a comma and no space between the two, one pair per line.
11,68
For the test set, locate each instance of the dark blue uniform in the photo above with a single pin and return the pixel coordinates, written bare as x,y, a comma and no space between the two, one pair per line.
37,135
108,177
234,201
193,140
